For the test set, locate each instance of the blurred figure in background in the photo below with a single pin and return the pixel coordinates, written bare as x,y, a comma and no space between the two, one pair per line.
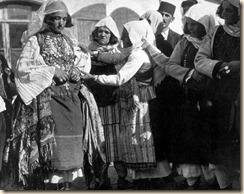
164,32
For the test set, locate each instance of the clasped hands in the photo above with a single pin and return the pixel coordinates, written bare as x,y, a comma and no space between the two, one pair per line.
63,76
228,69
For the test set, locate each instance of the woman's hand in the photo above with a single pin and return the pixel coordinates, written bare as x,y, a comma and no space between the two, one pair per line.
230,68
94,55
75,75
87,76
145,43
61,75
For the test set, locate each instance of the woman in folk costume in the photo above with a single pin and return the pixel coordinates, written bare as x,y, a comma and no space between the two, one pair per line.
57,120
136,147
189,146
105,39
219,59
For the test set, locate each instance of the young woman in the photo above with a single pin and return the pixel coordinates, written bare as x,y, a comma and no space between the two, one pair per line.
47,141
219,59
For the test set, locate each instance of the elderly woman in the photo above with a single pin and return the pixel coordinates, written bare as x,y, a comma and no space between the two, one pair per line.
105,39
55,113
136,147
219,59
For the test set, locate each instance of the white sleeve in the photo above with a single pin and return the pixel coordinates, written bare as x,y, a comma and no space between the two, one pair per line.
2,105
83,60
32,75
129,69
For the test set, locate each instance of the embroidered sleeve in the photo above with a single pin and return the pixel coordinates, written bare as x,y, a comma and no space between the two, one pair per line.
32,75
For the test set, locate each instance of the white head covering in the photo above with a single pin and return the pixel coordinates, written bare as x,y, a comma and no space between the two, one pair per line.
37,24
139,30
110,24
200,14
154,18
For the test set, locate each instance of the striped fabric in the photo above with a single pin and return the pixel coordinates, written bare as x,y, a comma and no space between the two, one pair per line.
110,120
135,139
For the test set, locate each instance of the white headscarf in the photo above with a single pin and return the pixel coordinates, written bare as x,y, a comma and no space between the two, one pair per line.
110,24
37,22
200,14
139,30
154,18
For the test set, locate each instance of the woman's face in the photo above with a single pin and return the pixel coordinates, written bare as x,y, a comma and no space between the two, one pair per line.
229,13
57,21
125,39
195,29
103,35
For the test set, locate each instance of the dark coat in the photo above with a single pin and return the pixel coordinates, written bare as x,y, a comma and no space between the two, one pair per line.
167,46
173,38
164,109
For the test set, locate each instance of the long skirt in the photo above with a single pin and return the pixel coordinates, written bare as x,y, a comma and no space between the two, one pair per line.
68,133
110,117
47,136
136,140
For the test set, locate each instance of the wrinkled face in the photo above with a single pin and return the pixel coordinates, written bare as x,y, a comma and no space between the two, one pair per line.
195,29
57,21
229,13
125,39
167,19
103,35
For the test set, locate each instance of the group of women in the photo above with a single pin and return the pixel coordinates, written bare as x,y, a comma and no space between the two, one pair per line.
80,109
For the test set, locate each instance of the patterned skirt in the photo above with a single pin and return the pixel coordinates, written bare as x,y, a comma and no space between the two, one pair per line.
136,140
136,143
110,117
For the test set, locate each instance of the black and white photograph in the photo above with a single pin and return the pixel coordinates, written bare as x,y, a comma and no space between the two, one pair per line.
120,95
